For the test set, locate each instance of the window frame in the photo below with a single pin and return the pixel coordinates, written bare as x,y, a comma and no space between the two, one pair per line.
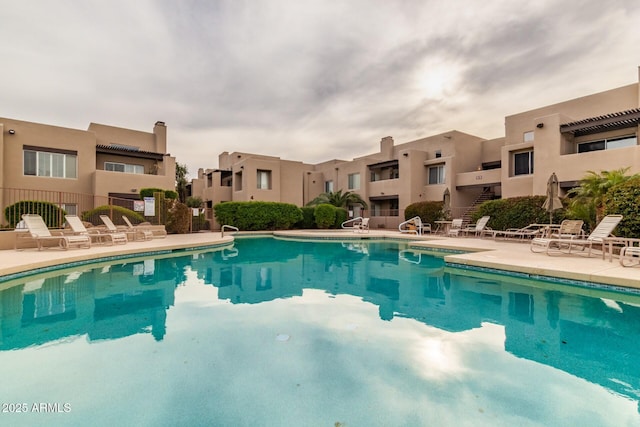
353,181
124,167
49,163
263,184
530,162
440,177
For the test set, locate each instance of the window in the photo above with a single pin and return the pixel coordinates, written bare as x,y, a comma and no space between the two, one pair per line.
608,144
50,164
523,163
264,180
528,136
436,174
123,167
328,186
354,181
70,209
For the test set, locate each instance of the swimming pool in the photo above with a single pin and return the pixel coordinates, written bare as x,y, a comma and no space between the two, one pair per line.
276,333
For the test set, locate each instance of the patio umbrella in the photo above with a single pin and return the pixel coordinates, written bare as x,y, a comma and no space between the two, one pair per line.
552,202
446,203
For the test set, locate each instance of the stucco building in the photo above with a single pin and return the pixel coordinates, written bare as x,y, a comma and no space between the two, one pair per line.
81,169
595,132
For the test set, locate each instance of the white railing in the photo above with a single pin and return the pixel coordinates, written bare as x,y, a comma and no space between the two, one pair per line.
351,223
230,227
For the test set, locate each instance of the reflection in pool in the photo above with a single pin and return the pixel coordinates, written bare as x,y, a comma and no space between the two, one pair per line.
276,333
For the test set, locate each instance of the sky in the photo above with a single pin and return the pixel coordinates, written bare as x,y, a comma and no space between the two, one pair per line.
306,80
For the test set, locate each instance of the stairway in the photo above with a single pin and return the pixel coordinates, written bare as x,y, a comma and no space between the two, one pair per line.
487,194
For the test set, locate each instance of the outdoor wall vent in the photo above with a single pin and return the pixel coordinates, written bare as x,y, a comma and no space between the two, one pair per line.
540,125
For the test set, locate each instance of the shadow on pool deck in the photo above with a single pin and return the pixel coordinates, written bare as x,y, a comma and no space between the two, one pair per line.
500,255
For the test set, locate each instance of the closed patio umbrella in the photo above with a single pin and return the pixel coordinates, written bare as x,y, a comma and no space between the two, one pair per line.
552,202
446,203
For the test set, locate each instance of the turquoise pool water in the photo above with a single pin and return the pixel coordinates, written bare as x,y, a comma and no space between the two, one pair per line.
286,333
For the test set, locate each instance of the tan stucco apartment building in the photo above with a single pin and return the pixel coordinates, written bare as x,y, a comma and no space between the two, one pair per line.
595,132
81,169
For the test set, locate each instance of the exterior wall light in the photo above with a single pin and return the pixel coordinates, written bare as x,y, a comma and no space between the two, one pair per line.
12,132
540,125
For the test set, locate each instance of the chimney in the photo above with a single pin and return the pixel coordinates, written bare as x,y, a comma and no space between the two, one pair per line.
386,147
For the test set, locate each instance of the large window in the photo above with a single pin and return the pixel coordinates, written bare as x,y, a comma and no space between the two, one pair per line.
523,163
354,181
328,186
264,180
50,164
123,167
608,144
436,174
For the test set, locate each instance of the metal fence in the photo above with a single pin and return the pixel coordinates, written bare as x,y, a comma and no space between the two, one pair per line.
53,205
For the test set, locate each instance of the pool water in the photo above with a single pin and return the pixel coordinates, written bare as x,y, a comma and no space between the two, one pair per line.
284,333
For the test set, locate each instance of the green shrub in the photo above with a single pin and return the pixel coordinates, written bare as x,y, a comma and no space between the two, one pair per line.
341,216
325,215
427,211
516,212
194,202
624,199
308,221
114,212
149,192
253,216
170,194
178,219
52,214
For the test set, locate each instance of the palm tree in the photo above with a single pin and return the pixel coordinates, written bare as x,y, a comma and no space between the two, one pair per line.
339,199
588,198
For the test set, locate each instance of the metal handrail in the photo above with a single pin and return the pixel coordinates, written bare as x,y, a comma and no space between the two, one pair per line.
231,227
415,221
352,220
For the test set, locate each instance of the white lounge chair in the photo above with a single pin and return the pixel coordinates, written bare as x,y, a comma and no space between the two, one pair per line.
528,232
629,256
41,234
96,235
598,236
479,228
138,232
456,227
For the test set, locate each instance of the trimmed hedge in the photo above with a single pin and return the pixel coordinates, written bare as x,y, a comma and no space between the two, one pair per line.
51,213
624,199
341,216
325,215
428,212
255,216
517,212
308,221
93,216
149,192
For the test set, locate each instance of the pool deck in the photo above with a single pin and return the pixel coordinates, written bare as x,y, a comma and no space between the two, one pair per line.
512,256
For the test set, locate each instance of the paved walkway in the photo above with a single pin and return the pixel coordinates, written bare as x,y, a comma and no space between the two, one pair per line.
501,255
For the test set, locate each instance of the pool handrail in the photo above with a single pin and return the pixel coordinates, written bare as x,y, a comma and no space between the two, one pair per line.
352,222
231,227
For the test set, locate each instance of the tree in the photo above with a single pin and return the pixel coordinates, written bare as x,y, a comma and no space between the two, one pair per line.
339,199
588,198
181,181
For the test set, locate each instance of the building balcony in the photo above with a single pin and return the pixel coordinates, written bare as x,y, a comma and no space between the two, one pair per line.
384,187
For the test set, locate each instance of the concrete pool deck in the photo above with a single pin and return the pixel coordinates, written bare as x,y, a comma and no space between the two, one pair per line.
512,256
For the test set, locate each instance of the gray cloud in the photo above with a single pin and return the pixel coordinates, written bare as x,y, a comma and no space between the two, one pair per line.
307,80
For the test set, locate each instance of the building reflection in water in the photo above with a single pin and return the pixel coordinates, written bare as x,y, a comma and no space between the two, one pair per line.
593,334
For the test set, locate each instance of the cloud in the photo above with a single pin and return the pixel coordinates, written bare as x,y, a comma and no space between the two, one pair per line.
309,80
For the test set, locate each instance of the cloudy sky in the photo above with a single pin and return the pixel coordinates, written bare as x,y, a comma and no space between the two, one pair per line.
307,80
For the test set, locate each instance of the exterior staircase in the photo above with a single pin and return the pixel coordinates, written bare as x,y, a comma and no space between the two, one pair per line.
487,194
